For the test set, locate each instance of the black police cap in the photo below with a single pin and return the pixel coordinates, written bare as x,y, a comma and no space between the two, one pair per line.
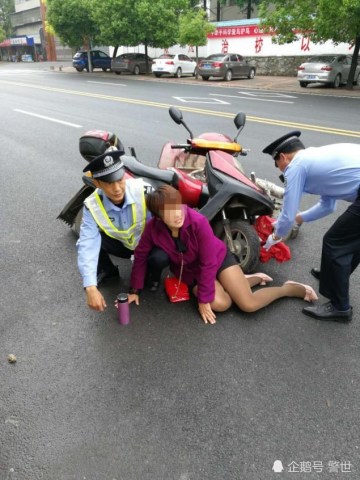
108,167
287,143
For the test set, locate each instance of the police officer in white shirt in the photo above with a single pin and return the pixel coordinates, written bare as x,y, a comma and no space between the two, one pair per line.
333,172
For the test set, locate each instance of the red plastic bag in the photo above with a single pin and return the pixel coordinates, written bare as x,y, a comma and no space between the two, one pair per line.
176,290
279,251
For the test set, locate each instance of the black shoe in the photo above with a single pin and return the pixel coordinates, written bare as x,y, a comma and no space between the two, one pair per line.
154,286
151,283
315,272
327,311
106,275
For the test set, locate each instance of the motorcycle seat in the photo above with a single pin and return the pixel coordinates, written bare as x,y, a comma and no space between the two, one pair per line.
145,171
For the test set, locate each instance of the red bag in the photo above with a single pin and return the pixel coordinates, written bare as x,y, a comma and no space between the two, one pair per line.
279,251
176,290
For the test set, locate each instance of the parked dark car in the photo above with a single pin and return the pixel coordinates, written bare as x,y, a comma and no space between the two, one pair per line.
134,63
99,59
226,66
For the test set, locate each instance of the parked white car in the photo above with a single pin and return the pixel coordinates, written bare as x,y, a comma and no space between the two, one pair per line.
177,65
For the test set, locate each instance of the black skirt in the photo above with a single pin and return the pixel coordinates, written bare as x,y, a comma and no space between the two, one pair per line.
228,261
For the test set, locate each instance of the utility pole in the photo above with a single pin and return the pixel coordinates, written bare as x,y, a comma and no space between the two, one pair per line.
218,11
205,8
47,39
248,9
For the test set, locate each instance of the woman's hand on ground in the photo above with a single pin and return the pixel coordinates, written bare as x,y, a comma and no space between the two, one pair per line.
133,297
206,313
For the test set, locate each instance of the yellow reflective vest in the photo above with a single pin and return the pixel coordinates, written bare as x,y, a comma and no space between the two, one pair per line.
130,237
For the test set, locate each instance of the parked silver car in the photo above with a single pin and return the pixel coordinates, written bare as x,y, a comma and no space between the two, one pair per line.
332,70
227,66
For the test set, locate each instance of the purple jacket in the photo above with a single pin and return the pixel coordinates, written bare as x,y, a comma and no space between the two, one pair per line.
204,255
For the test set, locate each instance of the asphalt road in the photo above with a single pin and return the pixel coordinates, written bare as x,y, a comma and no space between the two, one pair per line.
167,397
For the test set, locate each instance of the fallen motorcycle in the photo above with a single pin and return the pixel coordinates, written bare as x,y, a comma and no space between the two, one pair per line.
191,159
235,201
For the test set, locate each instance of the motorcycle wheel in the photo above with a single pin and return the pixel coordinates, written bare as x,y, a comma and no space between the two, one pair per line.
77,222
246,242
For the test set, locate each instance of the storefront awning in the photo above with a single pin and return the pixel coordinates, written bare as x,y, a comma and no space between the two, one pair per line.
18,41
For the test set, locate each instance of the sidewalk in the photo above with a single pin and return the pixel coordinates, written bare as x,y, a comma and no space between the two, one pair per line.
274,83
291,84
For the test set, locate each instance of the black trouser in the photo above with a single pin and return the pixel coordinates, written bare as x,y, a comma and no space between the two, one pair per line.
114,247
340,255
157,261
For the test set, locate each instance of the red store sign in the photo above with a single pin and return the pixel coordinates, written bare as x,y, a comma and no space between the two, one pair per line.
246,31
5,43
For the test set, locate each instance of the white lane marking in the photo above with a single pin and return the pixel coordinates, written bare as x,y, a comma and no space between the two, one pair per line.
267,94
251,98
108,83
14,72
201,100
47,118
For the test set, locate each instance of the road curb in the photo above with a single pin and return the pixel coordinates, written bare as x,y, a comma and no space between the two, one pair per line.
263,82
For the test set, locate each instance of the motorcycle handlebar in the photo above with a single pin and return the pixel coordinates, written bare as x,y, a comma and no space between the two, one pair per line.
186,146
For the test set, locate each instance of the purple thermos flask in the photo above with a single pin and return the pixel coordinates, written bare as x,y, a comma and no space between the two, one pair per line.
123,309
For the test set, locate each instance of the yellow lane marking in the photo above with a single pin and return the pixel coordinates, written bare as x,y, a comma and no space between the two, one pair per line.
267,121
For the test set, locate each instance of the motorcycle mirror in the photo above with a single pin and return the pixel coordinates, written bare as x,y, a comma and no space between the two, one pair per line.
239,121
176,115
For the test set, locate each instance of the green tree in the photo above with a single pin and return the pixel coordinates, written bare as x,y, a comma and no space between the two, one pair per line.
2,34
320,20
72,21
119,29
6,7
245,6
193,30
153,23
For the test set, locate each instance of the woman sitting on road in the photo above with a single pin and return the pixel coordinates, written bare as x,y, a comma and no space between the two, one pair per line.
182,235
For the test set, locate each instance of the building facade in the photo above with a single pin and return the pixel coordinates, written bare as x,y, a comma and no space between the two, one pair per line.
230,10
27,19
246,38
31,41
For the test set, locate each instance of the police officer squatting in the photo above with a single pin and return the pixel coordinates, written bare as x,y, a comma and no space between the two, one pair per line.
114,218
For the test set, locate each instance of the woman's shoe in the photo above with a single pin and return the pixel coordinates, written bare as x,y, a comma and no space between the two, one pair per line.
310,292
264,279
